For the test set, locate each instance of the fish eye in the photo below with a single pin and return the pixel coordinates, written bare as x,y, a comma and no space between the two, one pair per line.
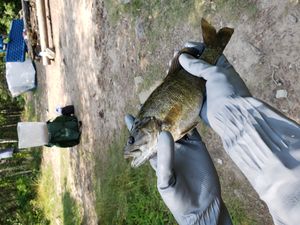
130,140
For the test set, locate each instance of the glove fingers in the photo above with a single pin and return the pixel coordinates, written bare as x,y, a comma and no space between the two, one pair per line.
129,120
165,160
196,67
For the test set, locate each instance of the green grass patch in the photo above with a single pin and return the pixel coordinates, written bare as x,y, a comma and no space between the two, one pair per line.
60,207
48,199
238,215
24,191
236,205
125,195
71,213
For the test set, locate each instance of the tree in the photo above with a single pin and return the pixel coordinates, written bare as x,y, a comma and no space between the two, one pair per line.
8,11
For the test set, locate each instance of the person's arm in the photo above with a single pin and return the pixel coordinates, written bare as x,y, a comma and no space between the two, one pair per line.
263,143
187,180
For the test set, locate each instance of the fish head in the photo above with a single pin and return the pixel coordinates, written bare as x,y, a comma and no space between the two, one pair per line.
141,144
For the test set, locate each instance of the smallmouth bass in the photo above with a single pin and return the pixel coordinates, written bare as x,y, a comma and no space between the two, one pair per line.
175,105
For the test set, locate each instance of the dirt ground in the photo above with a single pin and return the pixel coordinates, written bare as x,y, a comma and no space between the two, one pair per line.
96,63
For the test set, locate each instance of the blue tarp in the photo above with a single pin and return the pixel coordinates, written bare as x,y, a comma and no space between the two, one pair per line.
16,48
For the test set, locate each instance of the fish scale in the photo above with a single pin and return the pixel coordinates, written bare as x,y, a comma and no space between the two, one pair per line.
178,99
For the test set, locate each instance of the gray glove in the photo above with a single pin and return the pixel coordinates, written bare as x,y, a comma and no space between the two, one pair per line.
222,80
187,180
263,143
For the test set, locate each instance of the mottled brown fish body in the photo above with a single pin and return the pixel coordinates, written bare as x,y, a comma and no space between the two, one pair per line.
176,103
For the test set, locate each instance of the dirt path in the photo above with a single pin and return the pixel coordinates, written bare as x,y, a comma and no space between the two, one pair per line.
96,63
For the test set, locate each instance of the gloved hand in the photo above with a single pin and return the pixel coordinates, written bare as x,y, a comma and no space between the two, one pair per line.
222,81
263,143
187,180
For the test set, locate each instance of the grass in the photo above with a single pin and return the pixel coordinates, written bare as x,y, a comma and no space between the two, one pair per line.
238,215
125,195
60,207
47,196
71,213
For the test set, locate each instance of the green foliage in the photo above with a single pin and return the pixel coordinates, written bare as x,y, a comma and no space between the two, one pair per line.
8,11
71,213
18,182
19,177
125,195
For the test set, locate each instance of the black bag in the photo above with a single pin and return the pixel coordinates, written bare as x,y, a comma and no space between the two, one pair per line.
64,131
68,110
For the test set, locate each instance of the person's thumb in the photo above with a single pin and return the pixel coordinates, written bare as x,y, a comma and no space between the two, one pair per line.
193,65
165,160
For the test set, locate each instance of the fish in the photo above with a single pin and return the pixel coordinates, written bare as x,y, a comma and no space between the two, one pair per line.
174,105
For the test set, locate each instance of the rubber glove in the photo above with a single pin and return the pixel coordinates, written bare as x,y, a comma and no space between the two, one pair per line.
187,180
263,143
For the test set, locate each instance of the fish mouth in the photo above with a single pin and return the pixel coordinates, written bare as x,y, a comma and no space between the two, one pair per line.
133,153
139,157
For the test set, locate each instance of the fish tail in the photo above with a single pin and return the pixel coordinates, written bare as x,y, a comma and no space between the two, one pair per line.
215,42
